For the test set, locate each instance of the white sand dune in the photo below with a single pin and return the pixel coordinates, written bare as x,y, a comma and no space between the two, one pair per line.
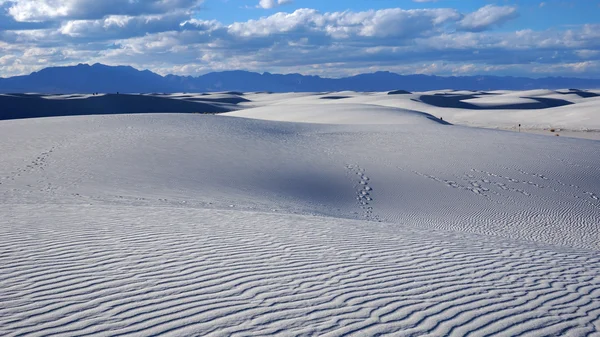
320,223
572,110
576,112
339,113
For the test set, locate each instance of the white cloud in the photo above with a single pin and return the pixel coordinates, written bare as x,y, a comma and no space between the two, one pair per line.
44,10
7,59
587,53
488,16
575,67
120,26
393,22
268,4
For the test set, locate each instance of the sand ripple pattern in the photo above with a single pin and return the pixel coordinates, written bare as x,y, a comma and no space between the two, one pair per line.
115,271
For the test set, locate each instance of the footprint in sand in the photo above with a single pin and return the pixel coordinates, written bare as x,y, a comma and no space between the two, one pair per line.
364,192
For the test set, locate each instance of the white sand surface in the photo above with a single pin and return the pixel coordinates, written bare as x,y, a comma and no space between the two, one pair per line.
493,100
591,134
494,109
339,219
339,113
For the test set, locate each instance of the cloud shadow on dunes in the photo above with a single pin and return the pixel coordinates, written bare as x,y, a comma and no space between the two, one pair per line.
32,106
225,161
580,93
323,193
456,102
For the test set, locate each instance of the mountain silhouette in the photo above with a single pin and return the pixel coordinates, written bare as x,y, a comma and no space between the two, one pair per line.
85,78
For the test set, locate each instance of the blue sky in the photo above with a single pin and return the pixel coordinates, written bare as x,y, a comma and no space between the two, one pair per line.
323,37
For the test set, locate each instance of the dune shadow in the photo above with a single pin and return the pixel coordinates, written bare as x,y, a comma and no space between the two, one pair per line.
27,95
225,100
33,106
334,97
485,93
399,92
580,93
550,102
456,102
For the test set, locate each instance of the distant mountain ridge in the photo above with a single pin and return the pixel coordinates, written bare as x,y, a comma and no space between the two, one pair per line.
84,78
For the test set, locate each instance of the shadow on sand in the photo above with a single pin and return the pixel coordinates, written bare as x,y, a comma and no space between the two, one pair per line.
456,101
17,106
334,97
580,93
399,92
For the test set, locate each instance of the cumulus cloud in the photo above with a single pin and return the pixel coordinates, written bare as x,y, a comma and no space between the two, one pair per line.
488,16
268,4
587,53
393,22
7,22
575,67
122,26
45,10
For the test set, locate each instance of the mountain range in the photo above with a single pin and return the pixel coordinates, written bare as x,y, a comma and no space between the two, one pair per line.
84,78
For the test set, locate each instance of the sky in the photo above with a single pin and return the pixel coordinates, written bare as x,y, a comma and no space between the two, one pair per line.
329,38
